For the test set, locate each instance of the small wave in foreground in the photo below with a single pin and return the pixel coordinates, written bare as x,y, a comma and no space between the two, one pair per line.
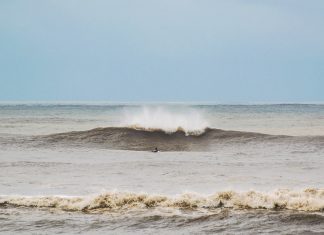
307,200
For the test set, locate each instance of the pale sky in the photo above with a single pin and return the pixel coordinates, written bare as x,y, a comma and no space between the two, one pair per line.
167,50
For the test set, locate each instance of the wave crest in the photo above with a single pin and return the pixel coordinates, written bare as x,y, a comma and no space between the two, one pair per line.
307,200
169,131
168,120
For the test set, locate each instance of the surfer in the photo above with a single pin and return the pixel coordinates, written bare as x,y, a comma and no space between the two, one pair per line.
155,150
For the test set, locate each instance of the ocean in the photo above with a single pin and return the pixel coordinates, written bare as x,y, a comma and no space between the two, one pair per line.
89,168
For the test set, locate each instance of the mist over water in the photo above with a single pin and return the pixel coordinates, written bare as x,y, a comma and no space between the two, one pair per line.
221,168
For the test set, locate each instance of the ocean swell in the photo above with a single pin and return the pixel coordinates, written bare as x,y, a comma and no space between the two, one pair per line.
307,200
138,138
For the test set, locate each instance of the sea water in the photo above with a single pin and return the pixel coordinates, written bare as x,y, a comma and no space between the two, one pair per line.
87,167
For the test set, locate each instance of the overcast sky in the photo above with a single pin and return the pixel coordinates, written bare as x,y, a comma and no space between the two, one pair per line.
167,50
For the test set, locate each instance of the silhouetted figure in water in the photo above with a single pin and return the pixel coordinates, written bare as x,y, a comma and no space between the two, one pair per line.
155,150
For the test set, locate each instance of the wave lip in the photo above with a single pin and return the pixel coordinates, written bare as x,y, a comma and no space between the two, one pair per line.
311,200
178,129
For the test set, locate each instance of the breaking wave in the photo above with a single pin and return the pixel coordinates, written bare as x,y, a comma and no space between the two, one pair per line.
138,138
307,200
142,139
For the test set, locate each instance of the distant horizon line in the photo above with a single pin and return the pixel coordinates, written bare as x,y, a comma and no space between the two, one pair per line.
104,102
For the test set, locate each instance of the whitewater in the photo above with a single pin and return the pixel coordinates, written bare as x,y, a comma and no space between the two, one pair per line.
71,168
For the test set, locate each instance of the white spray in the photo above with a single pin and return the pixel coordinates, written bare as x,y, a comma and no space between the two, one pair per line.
169,120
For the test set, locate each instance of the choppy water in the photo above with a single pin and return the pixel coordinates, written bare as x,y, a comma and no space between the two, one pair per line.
88,168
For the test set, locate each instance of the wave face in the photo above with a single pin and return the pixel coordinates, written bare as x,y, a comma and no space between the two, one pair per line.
126,138
307,200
